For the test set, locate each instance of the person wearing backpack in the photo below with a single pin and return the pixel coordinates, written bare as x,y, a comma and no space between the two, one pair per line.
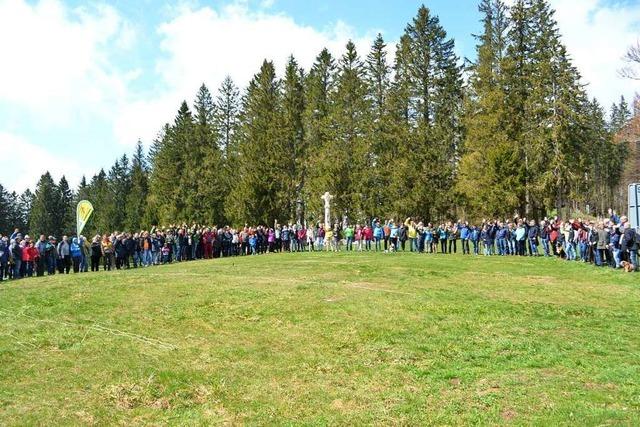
76,254
629,244
378,233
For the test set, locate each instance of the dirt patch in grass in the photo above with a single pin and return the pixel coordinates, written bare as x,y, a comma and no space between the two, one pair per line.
508,414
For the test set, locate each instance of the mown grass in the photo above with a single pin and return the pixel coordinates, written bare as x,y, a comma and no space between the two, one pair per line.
324,339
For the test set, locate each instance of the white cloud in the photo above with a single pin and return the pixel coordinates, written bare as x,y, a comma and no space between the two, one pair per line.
202,44
56,63
205,45
266,4
32,161
597,34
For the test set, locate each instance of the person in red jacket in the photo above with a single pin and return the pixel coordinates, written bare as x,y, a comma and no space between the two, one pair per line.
207,238
367,234
30,256
302,239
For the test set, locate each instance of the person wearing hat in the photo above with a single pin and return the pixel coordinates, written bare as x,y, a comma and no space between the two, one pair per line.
64,256
76,254
52,256
41,261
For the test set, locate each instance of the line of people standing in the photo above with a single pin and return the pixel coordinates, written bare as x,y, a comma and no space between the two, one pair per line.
609,242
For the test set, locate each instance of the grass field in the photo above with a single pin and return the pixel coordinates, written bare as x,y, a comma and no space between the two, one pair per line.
324,339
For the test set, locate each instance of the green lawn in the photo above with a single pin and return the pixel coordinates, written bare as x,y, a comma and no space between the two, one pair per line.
324,339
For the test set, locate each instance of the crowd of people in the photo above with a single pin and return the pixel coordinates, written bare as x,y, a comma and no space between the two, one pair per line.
607,242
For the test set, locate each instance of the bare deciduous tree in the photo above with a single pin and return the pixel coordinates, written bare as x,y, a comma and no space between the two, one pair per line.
632,71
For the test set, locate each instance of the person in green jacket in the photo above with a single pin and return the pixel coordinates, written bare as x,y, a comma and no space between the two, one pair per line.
348,235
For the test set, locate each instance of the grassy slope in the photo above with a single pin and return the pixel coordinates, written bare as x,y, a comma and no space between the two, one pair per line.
324,339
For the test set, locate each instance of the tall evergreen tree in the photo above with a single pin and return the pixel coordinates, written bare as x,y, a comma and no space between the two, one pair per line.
83,191
620,115
226,115
293,106
65,212
380,134
6,227
207,204
45,214
136,202
489,164
258,195
101,198
119,186
348,165
21,216
168,181
517,69
319,88
428,161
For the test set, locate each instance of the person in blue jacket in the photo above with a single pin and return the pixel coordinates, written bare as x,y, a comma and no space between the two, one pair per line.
378,233
464,237
474,236
443,235
501,239
76,254
521,235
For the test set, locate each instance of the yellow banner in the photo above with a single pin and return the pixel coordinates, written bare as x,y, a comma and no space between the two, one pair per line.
83,212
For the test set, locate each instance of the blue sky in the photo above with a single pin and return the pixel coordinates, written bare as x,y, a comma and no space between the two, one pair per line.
81,81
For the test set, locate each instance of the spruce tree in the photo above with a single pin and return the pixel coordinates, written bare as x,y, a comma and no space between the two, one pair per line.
65,210
620,115
259,195
380,133
207,203
517,69
226,115
348,166
427,162
119,185
83,191
488,166
136,202
393,173
319,88
293,106
45,216
6,227
168,181
101,198
22,209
